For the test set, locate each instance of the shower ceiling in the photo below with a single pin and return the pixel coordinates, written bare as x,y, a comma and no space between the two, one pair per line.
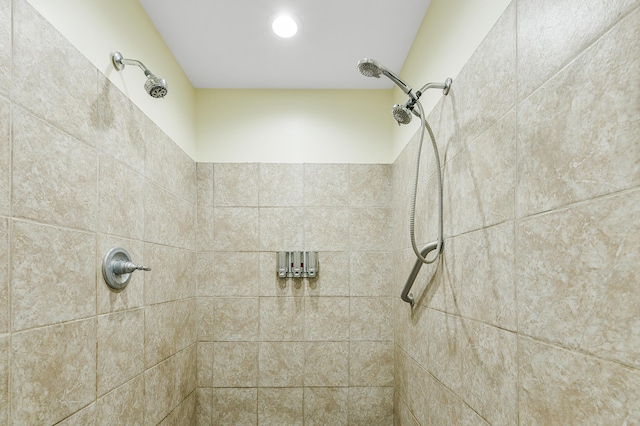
229,44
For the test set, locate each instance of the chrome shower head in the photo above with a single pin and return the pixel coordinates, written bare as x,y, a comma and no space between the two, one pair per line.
155,86
372,68
401,114
369,68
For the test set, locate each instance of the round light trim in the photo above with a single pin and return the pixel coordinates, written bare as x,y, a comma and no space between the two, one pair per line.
284,26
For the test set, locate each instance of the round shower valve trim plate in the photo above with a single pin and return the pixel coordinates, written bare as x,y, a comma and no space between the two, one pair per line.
117,268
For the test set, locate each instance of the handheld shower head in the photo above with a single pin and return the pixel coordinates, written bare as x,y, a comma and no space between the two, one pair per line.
369,68
401,113
372,68
155,86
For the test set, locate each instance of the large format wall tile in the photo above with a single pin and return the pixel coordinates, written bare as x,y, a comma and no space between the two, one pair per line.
5,348
281,185
168,219
326,229
120,200
38,50
369,229
54,175
53,372
169,328
124,404
120,126
48,288
5,47
172,275
326,364
159,386
168,384
326,185
370,406
371,364
5,155
236,185
559,387
490,372
551,33
167,165
370,274
234,407
86,416
578,134
4,276
236,229
278,407
235,364
184,413
485,89
370,185
120,348
281,364
236,319
281,228
204,177
229,274
479,182
482,264
577,277
370,319
326,406
326,318
281,319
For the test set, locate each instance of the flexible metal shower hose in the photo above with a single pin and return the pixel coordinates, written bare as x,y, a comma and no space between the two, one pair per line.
425,125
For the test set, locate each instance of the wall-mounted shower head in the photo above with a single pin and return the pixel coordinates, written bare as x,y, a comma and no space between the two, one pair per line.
401,114
155,86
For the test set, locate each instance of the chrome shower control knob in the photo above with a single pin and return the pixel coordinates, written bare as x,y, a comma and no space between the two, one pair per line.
122,267
117,268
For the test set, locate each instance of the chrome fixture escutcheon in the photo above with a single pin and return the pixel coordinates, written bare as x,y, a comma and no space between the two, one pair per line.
117,268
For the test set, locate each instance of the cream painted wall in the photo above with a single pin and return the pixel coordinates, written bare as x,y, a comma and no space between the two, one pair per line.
99,27
334,126
294,126
450,32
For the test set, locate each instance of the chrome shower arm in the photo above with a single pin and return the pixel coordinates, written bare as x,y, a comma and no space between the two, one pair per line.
119,62
444,86
136,62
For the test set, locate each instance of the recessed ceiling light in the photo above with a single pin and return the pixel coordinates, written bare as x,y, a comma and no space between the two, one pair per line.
284,26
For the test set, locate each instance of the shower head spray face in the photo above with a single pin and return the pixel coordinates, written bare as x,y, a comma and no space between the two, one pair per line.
372,68
369,68
155,86
401,114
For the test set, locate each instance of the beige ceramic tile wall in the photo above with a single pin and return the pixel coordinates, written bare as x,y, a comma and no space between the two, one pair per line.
312,352
82,170
532,315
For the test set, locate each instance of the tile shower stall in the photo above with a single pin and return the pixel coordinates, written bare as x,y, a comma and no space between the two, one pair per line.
531,316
